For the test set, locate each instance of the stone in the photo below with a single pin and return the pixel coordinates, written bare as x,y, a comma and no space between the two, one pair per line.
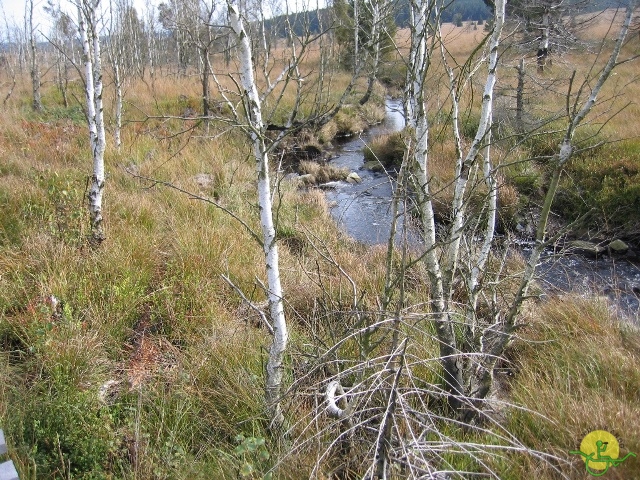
328,186
353,177
588,249
291,177
307,179
632,255
618,247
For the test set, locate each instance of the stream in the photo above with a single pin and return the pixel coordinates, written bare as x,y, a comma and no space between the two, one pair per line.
363,211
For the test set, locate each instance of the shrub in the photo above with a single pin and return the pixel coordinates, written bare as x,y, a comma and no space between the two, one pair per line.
386,149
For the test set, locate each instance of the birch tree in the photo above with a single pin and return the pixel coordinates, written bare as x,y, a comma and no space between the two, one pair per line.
181,18
9,59
381,30
442,259
90,38
255,112
125,53
33,57
63,38
546,27
252,104
389,419
468,360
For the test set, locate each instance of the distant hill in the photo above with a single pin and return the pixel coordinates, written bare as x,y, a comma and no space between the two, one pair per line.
469,10
465,10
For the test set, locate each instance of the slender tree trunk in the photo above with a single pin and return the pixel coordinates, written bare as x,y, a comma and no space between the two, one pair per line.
376,26
206,84
89,35
417,119
117,80
520,98
252,102
543,49
443,268
35,69
356,37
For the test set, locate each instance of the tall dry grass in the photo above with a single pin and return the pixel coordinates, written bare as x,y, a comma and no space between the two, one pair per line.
152,364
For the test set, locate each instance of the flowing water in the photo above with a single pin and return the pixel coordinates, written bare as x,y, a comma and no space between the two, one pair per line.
363,211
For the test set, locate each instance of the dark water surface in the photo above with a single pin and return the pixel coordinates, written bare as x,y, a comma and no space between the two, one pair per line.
363,211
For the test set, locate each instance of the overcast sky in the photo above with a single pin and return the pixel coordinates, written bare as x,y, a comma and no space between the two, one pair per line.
15,9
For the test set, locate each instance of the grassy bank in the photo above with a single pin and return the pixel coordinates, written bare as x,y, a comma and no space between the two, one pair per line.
138,360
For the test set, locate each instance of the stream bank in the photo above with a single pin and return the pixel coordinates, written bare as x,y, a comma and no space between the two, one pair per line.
363,211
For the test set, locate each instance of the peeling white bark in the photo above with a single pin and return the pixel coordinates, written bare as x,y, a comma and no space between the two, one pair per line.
252,104
90,38
333,410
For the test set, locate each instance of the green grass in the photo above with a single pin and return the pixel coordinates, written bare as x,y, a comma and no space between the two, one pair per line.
387,150
149,310
579,366
607,182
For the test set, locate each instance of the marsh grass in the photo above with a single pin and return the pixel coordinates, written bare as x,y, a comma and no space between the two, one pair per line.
150,312
322,173
577,365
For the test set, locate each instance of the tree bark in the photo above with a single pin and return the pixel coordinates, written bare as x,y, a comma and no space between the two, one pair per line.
89,35
256,128
520,98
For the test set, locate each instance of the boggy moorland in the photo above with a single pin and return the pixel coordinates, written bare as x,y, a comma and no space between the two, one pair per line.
144,357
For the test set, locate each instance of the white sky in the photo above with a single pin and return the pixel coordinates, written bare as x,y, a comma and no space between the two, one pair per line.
15,10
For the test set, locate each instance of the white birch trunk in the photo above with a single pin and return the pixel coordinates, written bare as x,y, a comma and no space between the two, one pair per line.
543,48
443,269
415,108
117,135
374,42
356,37
496,337
116,57
89,35
463,167
35,69
274,369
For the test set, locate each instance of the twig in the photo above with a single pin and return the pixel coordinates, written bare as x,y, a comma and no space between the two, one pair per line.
155,182
249,302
